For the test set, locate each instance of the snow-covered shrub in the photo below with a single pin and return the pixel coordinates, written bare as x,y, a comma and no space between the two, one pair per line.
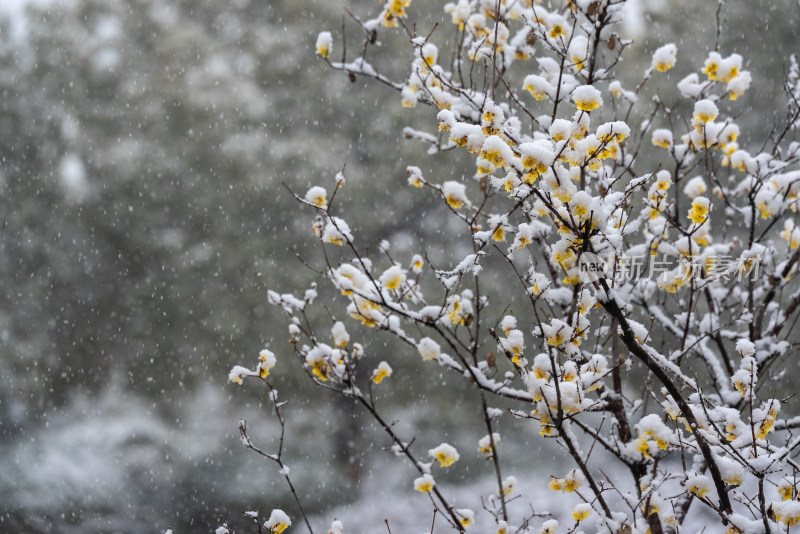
669,240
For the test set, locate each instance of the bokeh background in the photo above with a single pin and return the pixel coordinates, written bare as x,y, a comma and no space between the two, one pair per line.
143,144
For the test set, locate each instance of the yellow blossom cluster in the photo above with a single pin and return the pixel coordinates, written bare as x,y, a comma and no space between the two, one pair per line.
568,187
394,10
728,70
787,512
652,433
570,483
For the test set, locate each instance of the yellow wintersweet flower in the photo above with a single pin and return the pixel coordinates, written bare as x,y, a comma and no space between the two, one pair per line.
586,97
455,194
430,54
237,373
366,321
324,44
570,372
266,361
733,479
664,57
573,481
764,208
702,238
731,432
538,91
699,486
562,256
428,349
523,241
383,371
705,111
495,151
499,233
662,137
486,443
711,65
389,21
556,339
465,516
535,289
340,335
643,445
515,343
547,430
332,236
416,263
787,512
278,522
446,454
424,483
319,368
483,167
664,181
459,14
521,55
742,385
393,277
670,284
508,324
578,50
455,315
508,485
581,511
738,85
509,183
394,11
767,426
316,196
443,100
791,234
699,212
729,68
611,151
558,28
409,100
785,490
